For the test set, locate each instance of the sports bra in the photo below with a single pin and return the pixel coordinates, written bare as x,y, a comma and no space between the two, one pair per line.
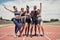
23,14
27,14
16,13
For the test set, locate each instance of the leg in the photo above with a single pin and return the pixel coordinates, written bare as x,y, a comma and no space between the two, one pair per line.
31,30
38,28
25,28
16,30
29,24
21,29
17,27
35,29
42,29
28,28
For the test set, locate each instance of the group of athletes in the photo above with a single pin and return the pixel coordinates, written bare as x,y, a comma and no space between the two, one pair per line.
26,20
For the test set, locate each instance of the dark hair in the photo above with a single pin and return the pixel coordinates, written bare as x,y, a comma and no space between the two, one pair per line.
14,6
22,8
38,9
35,7
27,6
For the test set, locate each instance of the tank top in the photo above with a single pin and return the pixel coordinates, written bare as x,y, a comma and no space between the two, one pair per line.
35,15
23,14
27,14
39,16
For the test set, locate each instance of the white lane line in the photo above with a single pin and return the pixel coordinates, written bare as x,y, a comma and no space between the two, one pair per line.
52,26
24,38
47,37
52,32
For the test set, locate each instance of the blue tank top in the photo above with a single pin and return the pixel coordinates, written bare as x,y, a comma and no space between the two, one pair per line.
17,13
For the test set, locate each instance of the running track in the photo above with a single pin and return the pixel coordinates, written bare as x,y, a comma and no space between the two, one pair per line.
51,33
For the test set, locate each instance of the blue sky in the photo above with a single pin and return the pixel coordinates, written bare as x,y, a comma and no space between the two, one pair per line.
50,9
3,1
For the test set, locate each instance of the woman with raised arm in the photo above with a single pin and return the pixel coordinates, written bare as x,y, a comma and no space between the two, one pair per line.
16,20
40,20
34,14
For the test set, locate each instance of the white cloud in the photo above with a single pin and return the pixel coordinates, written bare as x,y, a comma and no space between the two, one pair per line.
49,10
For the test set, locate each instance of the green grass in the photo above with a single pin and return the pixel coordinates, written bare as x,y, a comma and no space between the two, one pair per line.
53,23
6,22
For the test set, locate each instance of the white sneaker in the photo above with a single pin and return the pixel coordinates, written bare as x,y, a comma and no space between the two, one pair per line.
15,36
